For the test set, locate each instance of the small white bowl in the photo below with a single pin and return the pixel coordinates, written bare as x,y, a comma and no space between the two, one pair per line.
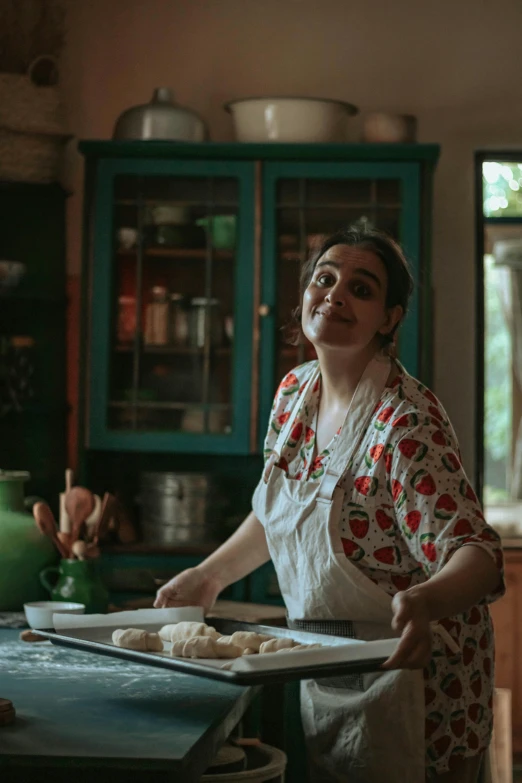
39,614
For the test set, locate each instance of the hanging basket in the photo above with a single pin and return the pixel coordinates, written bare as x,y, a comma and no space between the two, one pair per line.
30,157
31,102
32,132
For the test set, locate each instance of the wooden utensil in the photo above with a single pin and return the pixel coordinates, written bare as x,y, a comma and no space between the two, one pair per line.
79,549
66,540
46,523
102,526
92,519
79,503
69,479
64,522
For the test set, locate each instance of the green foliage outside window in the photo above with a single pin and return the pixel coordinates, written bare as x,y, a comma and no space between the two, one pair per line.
498,391
502,189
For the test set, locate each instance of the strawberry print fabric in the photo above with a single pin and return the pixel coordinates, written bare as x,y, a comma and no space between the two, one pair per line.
408,507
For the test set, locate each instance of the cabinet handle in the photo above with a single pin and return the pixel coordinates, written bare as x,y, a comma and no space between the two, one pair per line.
264,310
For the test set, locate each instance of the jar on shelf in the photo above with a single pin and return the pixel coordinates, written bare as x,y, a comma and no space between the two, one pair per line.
203,310
179,323
157,317
126,329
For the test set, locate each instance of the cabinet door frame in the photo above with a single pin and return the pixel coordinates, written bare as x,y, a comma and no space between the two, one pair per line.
410,237
98,434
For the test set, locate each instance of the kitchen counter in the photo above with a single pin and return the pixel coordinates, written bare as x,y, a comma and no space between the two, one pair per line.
84,717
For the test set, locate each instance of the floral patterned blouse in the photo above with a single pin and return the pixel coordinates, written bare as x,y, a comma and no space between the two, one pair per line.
408,507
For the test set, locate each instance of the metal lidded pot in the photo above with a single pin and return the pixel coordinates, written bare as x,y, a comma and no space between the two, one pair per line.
161,118
178,507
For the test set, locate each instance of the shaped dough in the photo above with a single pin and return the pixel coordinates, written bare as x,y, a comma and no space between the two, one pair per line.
204,647
246,639
175,632
273,645
301,647
136,639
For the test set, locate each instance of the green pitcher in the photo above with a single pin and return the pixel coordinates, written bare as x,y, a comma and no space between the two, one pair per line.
79,581
24,551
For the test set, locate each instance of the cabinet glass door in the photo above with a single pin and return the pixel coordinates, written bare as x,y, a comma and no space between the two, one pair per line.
172,306
305,203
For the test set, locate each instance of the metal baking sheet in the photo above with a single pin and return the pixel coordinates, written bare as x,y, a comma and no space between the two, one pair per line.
271,668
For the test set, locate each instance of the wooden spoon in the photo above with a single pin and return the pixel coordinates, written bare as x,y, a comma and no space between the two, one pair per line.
46,523
79,549
102,525
79,503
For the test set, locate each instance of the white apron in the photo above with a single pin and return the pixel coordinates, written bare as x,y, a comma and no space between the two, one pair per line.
368,734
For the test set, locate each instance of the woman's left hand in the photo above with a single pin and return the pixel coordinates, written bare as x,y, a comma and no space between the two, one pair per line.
411,617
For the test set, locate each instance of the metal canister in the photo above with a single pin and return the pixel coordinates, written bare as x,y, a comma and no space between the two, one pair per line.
177,507
203,310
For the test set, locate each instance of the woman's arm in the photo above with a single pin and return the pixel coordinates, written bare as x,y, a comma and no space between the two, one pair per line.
244,551
468,577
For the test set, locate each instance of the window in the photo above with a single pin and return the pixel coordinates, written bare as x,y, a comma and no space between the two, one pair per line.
500,312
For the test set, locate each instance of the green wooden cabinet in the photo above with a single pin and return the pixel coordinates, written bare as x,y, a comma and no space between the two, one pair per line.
191,268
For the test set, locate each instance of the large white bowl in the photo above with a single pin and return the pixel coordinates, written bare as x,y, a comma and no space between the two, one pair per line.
290,119
39,614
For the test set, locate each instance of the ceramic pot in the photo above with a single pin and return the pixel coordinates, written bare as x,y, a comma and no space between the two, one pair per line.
78,581
387,128
24,551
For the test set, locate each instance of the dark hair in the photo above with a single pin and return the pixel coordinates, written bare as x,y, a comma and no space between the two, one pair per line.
399,278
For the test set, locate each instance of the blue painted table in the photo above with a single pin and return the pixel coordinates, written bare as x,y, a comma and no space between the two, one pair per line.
81,717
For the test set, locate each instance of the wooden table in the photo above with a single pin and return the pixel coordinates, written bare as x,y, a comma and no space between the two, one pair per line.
83,717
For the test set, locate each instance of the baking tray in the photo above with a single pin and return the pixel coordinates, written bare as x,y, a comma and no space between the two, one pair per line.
339,656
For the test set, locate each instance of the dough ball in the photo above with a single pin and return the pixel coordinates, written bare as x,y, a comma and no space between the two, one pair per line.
174,632
273,645
154,643
177,649
204,647
227,650
246,639
136,639
200,647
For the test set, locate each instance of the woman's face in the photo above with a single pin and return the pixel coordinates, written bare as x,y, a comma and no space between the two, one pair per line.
344,305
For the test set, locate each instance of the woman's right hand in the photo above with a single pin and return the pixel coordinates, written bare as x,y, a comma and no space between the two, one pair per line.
189,588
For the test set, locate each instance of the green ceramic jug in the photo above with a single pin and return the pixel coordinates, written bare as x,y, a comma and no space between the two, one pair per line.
24,551
79,581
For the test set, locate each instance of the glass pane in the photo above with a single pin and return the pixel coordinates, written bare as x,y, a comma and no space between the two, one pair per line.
173,304
345,192
308,211
502,189
388,192
503,373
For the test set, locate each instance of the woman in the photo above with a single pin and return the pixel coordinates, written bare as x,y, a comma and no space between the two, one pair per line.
374,531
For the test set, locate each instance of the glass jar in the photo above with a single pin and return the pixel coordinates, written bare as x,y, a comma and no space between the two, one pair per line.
126,329
157,317
201,311
179,323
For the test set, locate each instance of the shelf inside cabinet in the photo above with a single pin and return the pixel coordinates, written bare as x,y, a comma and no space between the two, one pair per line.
169,406
188,254
173,350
